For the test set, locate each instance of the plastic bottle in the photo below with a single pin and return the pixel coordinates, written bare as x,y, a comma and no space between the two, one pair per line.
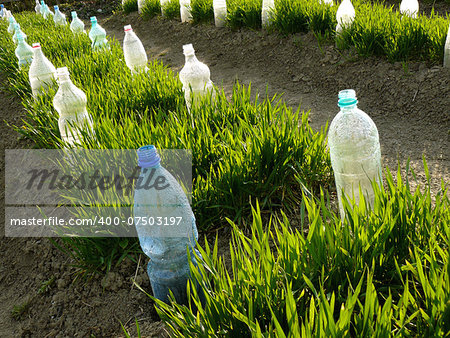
76,26
42,72
12,22
195,77
409,8
59,18
7,15
42,10
354,151
327,2
268,7
47,12
185,11
2,11
134,52
70,102
140,3
220,12
98,36
24,52
447,50
344,15
17,32
168,268
37,8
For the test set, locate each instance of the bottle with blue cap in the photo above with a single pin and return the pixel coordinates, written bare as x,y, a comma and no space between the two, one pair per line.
354,150
2,11
165,225
76,26
24,52
98,36
59,18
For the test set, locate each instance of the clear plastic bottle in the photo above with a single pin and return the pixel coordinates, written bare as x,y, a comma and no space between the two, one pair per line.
140,3
37,8
447,50
42,72
354,151
24,52
2,11
134,52
42,10
185,11
17,32
12,22
220,12
48,14
98,36
7,15
59,18
268,7
409,8
70,102
344,15
163,4
195,77
76,26
168,268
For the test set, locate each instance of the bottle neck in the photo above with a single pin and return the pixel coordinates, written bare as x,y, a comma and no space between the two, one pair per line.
190,57
348,108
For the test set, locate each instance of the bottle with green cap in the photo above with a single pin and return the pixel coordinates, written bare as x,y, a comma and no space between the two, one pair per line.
354,150
48,14
59,18
24,52
76,26
12,22
71,102
165,225
17,32
98,36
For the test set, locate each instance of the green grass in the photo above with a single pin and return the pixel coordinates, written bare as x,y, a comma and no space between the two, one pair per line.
244,13
130,6
378,274
171,9
151,8
202,11
242,148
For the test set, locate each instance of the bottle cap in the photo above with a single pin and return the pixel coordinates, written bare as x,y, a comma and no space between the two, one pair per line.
63,74
148,157
347,101
347,93
127,28
56,7
74,14
2,6
93,19
188,49
36,45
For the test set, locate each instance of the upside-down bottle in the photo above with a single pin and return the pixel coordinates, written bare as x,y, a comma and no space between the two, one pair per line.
195,77
268,7
354,151
159,197
42,72
220,12
134,52
76,26
409,8
344,15
70,102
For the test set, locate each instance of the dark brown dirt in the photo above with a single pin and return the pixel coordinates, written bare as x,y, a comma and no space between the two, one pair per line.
409,102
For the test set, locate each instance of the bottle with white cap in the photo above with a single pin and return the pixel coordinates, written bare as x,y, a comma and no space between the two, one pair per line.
59,18
195,77
76,26
355,151
24,52
42,72
70,102
134,52
220,12
98,36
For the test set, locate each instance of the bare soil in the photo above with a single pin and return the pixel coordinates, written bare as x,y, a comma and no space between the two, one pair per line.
409,102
